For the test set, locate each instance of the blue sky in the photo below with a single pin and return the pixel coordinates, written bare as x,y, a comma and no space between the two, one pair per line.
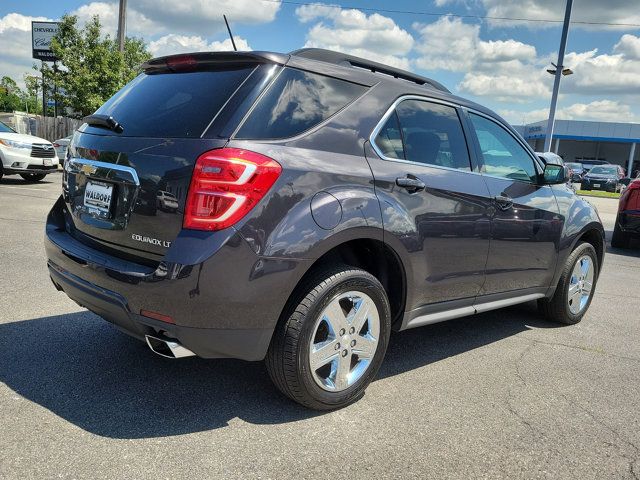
499,63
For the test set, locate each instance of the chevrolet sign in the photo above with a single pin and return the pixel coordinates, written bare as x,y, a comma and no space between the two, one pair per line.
41,35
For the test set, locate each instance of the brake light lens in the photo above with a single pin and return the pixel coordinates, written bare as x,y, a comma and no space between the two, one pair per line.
182,63
630,198
226,184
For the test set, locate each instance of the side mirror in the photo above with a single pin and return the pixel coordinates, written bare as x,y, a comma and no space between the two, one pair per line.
555,174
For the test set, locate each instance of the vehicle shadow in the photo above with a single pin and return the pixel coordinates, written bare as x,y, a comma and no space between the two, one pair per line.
103,381
19,181
632,251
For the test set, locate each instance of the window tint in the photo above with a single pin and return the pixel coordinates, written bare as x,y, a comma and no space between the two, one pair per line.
502,154
430,133
296,102
389,139
173,104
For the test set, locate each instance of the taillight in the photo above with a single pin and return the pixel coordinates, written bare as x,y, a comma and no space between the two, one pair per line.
226,184
630,198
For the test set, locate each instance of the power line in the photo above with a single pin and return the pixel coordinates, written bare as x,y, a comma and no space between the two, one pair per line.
454,15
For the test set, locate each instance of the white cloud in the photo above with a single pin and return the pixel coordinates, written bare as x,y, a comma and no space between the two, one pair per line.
137,24
606,74
504,88
598,110
15,54
172,44
451,44
506,70
609,11
204,17
351,31
629,46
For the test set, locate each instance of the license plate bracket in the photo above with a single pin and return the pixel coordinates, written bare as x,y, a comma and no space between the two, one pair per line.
597,185
98,197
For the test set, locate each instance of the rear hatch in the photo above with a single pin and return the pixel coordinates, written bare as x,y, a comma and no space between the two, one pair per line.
134,158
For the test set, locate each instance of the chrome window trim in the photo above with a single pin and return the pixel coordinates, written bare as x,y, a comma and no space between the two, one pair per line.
466,109
390,111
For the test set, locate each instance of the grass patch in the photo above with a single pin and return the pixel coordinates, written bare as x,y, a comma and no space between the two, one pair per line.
597,193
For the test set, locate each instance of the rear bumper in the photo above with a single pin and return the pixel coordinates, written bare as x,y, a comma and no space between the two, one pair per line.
246,344
608,187
226,306
629,222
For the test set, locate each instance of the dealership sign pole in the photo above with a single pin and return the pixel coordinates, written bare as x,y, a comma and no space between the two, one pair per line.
41,35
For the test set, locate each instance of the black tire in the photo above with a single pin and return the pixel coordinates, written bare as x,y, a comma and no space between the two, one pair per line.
585,188
287,360
620,239
33,177
556,308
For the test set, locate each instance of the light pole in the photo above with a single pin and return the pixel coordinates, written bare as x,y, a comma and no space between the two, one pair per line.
122,13
559,71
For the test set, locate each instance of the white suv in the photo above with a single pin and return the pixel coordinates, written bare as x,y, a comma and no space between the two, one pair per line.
30,157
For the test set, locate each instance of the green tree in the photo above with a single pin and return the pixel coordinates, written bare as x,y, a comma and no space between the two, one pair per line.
31,99
91,68
10,95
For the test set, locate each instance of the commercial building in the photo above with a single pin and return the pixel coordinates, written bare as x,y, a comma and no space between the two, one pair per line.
576,140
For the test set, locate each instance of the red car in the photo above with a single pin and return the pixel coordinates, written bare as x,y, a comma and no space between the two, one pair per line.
628,219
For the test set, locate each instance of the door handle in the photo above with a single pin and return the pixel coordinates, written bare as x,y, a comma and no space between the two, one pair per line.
503,202
410,183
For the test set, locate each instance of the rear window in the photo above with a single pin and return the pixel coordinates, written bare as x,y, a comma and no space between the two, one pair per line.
296,102
173,104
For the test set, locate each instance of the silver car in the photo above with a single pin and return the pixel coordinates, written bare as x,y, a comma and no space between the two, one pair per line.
61,146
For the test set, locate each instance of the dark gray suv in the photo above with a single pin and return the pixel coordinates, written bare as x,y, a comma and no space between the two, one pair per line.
322,201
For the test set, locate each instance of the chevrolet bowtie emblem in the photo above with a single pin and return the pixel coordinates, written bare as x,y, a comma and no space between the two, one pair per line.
88,169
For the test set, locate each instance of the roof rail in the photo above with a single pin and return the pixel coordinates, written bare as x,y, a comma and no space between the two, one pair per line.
338,58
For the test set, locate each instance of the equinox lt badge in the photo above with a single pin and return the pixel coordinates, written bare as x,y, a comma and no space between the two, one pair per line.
152,241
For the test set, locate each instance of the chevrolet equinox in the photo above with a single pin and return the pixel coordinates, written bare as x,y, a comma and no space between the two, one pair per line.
323,201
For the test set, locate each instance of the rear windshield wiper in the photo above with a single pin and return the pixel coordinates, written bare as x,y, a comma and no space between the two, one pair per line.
104,121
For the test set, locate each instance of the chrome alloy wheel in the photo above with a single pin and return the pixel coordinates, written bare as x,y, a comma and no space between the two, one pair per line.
580,284
344,341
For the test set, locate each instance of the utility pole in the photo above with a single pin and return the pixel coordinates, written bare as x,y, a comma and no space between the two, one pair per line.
44,95
558,75
122,13
55,89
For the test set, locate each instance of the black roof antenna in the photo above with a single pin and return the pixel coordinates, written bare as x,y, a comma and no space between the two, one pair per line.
230,34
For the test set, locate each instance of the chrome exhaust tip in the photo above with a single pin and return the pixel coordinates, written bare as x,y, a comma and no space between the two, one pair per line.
167,348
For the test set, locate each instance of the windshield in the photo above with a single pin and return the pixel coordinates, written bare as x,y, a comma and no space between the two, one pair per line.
604,170
6,129
573,165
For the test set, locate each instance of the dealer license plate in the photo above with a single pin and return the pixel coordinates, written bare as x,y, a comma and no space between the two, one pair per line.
98,195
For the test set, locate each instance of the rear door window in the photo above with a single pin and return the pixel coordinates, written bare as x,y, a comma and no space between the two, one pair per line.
296,102
425,132
178,105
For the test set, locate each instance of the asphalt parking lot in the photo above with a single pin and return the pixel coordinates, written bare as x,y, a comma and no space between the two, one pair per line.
500,395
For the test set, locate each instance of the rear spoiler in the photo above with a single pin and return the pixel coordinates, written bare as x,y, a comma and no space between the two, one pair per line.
191,61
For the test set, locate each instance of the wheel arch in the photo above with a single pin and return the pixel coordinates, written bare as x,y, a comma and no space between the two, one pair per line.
371,255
